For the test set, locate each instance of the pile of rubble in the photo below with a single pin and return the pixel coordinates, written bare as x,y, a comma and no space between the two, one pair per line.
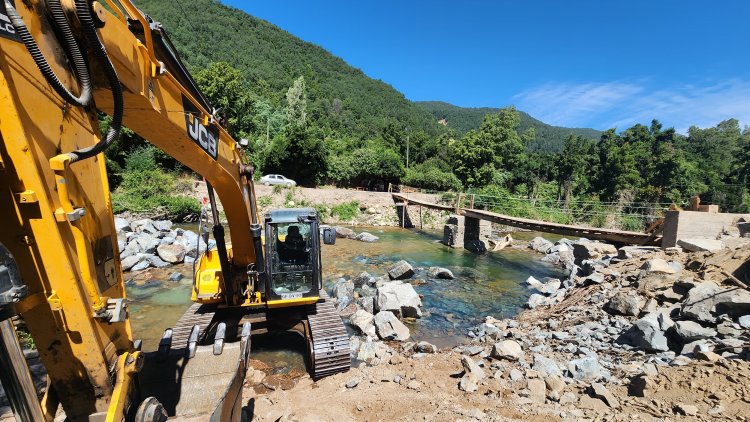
620,316
148,243
375,308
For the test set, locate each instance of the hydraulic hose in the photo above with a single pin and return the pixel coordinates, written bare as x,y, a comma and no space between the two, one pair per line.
89,31
84,99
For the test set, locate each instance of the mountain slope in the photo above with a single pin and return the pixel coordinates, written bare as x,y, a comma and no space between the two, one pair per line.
463,119
205,31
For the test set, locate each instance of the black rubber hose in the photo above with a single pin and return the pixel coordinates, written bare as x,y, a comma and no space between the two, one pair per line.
89,31
79,63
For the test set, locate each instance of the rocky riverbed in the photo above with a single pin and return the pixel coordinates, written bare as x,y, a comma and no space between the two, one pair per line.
634,333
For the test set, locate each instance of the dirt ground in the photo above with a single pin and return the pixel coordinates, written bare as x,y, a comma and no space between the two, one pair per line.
428,390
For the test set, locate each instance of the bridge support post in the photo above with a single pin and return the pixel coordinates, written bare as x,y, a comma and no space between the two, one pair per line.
467,232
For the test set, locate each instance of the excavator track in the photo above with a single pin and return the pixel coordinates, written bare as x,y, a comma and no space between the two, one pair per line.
327,338
197,314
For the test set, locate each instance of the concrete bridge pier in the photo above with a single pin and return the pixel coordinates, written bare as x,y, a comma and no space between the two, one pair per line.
467,232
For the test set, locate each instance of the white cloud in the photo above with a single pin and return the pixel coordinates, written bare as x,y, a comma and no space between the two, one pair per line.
620,104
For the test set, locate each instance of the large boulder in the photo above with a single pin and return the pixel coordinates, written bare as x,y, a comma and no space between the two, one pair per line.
364,322
624,304
471,367
345,232
707,300
689,331
147,243
400,271
388,327
399,298
129,262
586,368
156,261
660,266
363,279
162,225
144,225
592,251
366,237
548,288
541,244
142,264
122,225
343,291
545,366
507,349
174,253
647,333
130,249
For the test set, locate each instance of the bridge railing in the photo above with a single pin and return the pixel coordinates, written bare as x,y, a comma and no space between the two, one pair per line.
623,215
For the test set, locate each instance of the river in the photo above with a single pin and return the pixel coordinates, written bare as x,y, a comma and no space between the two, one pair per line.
487,284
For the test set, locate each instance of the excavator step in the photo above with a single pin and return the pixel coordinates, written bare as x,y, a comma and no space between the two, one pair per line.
329,341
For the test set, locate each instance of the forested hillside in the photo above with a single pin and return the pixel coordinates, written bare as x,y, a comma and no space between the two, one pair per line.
339,97
310,116
463,119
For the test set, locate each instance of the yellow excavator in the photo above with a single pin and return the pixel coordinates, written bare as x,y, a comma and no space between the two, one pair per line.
62,64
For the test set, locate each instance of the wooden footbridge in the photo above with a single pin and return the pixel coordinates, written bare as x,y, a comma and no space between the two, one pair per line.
593,233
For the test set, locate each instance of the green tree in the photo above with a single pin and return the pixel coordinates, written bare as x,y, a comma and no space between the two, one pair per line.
296,103
226,90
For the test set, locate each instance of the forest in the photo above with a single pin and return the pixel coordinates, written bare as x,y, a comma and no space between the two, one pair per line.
310,116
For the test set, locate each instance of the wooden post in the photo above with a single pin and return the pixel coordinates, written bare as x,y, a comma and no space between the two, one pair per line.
421,226
403,215
471,205
458,203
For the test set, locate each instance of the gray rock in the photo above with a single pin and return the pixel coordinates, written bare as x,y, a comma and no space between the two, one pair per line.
167,240
174,253
400,271
144,225
594,278
129,262
744,321
343,292
690,331
366,237
132,248
469,383
367,351
591,251
537,299
176,276
600,391
147,243
156,261
700,245
368,304
686,409
399,298
142,264
548,288
438,272
352,382
162,225
585,369
364,322
388,327
122,241
660,266
470,366
541,244
515,374
122,225
345,232
624,304
707,300
362,279
647,334
425,347
545,366
472,350
507,349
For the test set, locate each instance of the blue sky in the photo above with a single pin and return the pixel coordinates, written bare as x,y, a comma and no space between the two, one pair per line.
589,63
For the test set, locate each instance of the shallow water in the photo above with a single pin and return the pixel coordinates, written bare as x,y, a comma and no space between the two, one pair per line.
488,284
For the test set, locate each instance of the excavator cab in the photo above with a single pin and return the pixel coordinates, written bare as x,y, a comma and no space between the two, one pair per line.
293,266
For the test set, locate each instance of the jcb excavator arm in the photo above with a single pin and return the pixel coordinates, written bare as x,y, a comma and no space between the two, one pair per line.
55,208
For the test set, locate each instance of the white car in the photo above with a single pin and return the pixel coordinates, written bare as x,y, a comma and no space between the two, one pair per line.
277,179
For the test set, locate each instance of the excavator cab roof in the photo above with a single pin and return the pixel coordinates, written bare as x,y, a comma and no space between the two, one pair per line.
291,215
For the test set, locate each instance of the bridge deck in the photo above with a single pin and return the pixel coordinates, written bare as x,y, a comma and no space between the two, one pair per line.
608,235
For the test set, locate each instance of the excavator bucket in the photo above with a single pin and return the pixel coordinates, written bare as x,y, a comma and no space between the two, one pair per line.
197,379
